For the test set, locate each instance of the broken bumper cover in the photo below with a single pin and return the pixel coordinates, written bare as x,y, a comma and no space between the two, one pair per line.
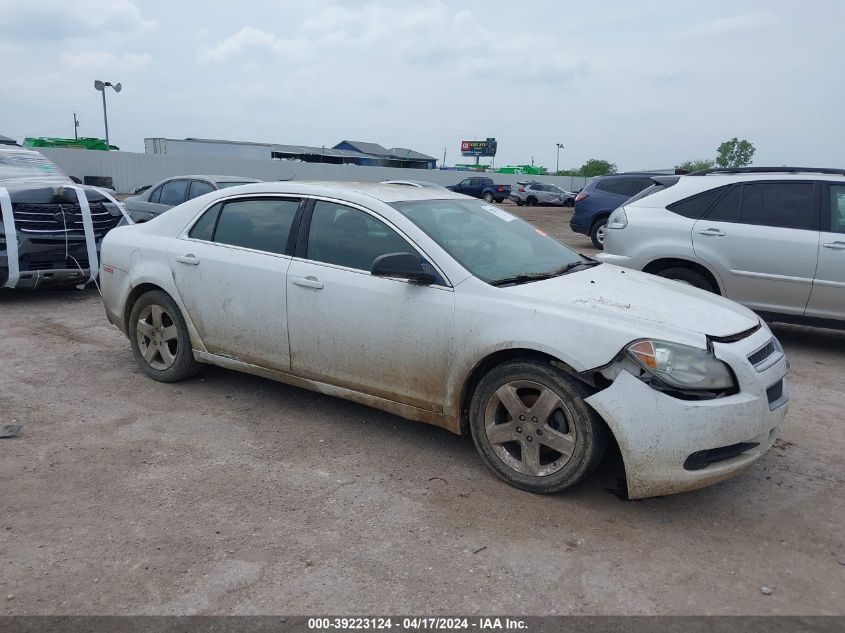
47,265
662,438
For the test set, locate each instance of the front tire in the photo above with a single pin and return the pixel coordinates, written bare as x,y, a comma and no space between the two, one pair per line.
688,276
159,338
598,232
532,427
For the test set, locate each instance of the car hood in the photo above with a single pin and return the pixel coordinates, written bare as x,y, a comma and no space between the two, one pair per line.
47,191
631,294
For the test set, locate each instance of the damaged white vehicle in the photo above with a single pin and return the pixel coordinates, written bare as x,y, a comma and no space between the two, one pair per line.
444,309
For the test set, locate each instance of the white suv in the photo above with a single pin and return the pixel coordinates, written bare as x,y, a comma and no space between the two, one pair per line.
772,239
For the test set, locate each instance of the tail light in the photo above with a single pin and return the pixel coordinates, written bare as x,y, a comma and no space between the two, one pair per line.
522,190
581,196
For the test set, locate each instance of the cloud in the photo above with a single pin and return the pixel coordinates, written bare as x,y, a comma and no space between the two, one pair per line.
102,61
82,19
250,40
423,39
734,24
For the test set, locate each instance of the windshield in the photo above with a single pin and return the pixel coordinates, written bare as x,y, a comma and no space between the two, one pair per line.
490,243
25,165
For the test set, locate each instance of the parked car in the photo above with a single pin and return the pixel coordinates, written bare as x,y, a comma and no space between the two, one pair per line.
599,198
772,239
414,183
537,193
450,311
42,217
170,192
483,188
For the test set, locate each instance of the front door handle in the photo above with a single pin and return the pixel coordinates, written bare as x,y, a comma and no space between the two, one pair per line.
712,233
308,282
837,246
193,260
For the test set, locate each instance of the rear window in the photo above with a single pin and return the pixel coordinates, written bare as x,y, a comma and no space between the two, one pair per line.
623,186
696,206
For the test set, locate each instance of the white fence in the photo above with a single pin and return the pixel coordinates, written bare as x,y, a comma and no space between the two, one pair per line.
129,170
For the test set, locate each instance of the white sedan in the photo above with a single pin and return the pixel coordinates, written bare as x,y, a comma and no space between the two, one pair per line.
443,309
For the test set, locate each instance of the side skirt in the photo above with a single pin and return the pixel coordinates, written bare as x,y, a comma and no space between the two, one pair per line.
403,410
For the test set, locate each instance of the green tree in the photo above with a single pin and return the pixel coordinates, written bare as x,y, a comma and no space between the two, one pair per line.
596,167
696,165
735,153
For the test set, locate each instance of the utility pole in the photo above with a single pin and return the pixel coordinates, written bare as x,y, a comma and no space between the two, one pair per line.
443,164
75,127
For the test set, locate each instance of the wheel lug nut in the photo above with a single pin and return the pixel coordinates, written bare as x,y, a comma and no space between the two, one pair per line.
533,419
529,439
539,432
522,417
519,429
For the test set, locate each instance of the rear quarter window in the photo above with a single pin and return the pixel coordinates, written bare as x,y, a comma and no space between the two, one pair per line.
696,206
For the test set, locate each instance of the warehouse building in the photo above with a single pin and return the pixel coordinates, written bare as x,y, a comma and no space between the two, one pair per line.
344,153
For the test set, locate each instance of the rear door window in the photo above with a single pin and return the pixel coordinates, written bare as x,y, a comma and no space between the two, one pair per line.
262,224
174,192
727,208
200,187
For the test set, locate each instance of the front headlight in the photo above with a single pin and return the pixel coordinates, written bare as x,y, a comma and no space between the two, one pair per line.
618,219
682,366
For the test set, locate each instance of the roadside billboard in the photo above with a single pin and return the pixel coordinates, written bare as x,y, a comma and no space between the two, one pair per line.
479,148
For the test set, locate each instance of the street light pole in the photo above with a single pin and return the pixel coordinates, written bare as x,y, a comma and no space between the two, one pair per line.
101,86
557,164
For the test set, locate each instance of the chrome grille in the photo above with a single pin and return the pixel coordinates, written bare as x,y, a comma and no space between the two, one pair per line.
55,218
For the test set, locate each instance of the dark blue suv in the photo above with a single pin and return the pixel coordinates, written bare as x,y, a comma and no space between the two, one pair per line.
600,197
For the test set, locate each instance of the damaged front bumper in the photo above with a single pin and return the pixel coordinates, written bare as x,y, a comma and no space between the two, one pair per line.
671,445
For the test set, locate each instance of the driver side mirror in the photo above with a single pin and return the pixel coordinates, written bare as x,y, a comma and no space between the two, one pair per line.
403,265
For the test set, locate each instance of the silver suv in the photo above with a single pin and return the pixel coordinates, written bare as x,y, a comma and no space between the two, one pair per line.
772,239
530,193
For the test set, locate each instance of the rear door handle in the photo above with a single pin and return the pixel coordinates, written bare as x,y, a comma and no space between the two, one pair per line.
308,282
712,233
837,246
193,260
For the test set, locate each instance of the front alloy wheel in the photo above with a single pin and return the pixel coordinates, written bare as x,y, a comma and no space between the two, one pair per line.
528,426
532,427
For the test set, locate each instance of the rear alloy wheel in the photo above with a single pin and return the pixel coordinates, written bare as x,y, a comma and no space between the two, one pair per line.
532,427
598,232
159,338
688,276
488,197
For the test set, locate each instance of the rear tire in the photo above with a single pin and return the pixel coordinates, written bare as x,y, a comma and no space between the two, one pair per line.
688,276
543,453
531,202
488,197
519,203
598,232
159,338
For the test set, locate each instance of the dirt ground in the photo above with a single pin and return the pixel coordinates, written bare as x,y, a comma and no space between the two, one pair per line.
233,494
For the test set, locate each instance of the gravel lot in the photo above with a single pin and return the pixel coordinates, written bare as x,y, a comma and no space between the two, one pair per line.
233,494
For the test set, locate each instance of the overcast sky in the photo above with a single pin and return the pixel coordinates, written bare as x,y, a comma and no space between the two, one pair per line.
644,84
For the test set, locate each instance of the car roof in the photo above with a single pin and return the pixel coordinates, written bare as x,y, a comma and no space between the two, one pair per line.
213,178
380,191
